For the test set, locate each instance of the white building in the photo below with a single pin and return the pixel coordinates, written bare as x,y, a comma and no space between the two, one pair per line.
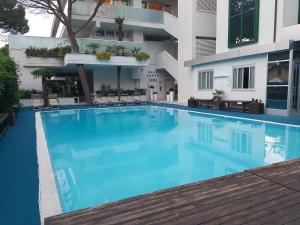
170,31
257,56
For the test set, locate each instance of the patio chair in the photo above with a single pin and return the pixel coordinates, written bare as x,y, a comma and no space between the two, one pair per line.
137,99
53,101
114,100
37,101
130,100
101,101
144,99
124,100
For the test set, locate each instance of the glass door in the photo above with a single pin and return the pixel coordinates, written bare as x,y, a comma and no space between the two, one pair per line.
296,86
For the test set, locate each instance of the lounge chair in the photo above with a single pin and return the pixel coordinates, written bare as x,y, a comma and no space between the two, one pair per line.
130,100
101,101
144,99
124,100
137,99
37,101
53,101
114,100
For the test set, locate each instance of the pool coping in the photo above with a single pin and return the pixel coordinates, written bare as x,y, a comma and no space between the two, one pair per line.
49,203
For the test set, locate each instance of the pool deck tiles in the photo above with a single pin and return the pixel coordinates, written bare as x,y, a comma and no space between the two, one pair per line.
267,195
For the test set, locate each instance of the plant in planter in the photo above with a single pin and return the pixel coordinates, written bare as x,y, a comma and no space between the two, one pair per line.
256,107
103,56
155,96
191,102
217,99
171,94
93,47
168,96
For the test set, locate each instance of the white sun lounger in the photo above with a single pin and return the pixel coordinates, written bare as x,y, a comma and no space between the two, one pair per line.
37,101
53,101
101,101
114,100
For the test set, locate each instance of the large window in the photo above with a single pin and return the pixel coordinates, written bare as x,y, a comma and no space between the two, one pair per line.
206,80
243,22
243,78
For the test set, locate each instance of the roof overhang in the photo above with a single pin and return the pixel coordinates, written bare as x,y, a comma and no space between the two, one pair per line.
242,52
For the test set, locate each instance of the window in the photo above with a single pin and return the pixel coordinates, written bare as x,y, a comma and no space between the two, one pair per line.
243,22
206,80
277,83
243,78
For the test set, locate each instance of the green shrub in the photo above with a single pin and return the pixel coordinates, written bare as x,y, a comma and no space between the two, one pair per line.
58,52
142,56
103,56
9,92
26,94
5,50
62,51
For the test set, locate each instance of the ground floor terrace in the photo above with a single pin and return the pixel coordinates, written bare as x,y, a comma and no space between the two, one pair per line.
264,73
267,195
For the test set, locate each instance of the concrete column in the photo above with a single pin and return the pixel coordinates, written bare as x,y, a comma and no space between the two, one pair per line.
186,47
137,3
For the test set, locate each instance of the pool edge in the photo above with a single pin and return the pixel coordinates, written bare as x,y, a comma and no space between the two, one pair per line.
49,203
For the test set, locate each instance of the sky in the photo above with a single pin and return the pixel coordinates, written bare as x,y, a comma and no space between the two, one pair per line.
40,25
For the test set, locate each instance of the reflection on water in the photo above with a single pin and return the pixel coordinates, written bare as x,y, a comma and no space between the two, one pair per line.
104,155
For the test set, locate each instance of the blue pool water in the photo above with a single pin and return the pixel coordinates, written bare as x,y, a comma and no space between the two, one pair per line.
104,155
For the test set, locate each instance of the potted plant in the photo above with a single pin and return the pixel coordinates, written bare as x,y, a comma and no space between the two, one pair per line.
151,92
154,96
171,94
191,102
256,107
217,99
168,96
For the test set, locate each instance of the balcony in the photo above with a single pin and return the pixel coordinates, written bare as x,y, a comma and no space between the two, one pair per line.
112,11
23,42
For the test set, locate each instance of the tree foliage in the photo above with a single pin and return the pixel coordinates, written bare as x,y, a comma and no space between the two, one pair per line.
9,86
12,17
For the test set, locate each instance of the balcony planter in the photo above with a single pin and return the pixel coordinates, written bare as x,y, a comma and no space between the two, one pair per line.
256,108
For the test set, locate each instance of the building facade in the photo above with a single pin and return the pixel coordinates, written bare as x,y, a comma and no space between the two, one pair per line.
257,56
170,31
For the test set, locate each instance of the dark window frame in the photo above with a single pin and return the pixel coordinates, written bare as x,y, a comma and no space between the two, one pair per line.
256,24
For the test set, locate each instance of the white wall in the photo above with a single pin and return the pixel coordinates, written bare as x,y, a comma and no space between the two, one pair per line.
224,70
27,81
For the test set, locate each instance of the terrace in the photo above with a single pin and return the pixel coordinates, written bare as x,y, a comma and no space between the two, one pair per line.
205,202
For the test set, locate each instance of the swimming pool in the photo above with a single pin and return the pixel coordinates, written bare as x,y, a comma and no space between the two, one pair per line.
103,155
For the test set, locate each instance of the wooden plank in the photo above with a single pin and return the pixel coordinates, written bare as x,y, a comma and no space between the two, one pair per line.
264,195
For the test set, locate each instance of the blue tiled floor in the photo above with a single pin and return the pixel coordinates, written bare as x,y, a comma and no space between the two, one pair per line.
19,173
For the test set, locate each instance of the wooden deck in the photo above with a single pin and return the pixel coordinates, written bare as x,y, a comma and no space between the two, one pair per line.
267,195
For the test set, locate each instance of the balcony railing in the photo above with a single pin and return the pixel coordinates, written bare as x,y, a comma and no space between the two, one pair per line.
113,11
23,42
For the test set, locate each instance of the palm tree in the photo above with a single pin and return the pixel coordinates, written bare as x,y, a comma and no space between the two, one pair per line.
44,74
119,21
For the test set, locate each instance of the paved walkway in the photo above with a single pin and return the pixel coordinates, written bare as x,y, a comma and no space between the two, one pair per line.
19,173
